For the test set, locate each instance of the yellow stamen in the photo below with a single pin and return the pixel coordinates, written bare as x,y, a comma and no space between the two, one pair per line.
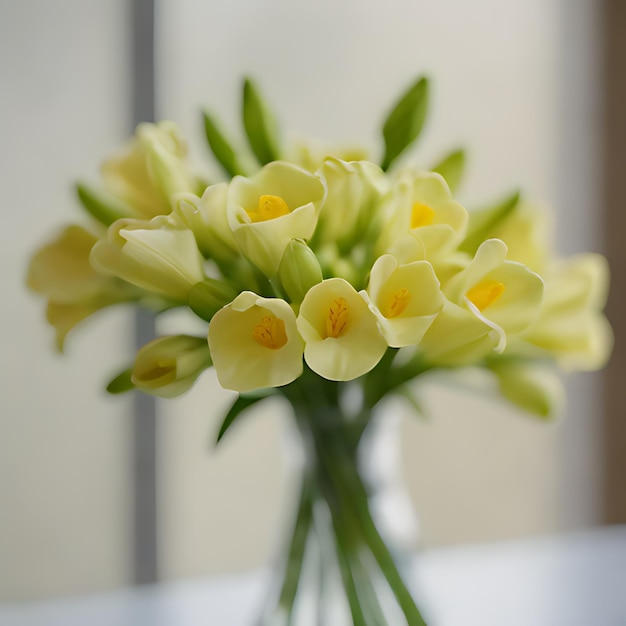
421,215
485,293
270,207
399,301
270,333
338,316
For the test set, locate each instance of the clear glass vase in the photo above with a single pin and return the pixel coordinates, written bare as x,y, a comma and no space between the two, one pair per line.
343,564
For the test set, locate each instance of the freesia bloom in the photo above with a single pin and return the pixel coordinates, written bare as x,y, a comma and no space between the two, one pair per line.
571,325
423,203
502,293
487,300
159,255
254,343
354,190
150,170
266,211
206,218
405,299
61,271
340,332
169,366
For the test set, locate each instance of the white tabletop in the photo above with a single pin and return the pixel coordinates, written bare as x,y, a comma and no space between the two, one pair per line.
571,580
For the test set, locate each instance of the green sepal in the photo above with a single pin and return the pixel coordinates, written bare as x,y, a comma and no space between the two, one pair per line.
259,124
482,222
121,383
452,167
101,205
221,147
241,404
405,122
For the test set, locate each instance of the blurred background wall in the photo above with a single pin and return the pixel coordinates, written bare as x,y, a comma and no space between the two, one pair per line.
64,446
516,83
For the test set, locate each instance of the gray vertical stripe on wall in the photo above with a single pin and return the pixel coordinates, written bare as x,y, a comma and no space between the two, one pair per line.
145,558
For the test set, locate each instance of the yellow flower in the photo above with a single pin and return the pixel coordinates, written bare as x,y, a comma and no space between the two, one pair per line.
354,191
169,366
422,203
150,169
159,255
265,212
61,272
342,339
571,325
206,218
405,299
486,301
504,294
254,343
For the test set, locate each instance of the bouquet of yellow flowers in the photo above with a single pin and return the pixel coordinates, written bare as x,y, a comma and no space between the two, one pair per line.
334,282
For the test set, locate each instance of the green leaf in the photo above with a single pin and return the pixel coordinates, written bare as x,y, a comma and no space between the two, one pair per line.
482,222
405,121
241,404
451,168
222,148
101,205
259,124
121,383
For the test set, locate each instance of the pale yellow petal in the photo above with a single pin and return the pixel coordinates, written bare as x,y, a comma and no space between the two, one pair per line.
262,240
405,299
342,339
255,343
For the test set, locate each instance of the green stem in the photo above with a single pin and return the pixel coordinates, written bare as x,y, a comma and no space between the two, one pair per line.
333,442
346,575
361,580
295,554
360,592
353,491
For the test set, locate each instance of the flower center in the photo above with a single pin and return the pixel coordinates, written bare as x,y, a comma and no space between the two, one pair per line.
338,316
270,333
399,301
485,293
269,208
421,215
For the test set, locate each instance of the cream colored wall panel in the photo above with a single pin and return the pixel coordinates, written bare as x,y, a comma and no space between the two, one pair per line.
64,447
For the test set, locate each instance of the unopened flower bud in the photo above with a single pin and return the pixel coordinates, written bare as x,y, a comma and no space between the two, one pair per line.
209,296
169,366
299,270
